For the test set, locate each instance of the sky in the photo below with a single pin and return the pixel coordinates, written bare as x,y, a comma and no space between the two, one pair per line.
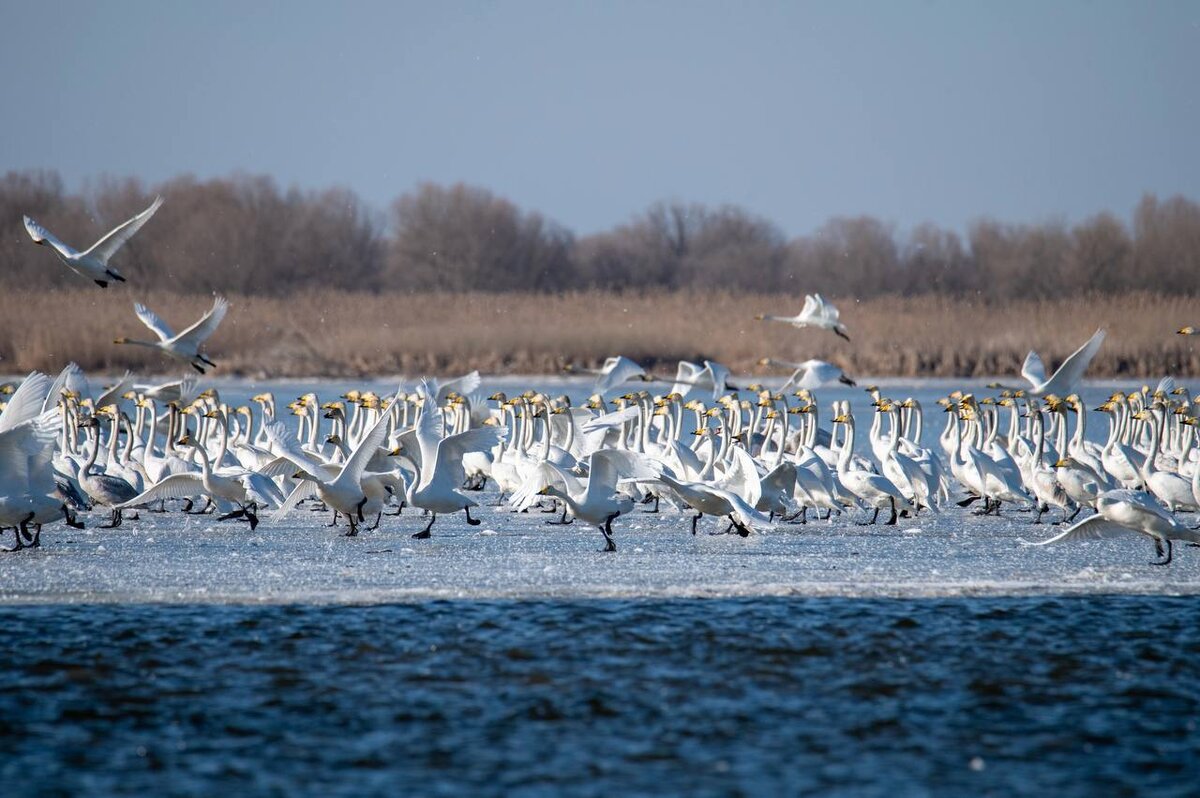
588,112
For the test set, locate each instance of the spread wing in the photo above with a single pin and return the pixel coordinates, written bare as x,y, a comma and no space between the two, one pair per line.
27,401
463,386
719,376
617,370
113,395
686,376
1097,527
609,466
1033,369
41,235
176,486
154,322
1067,378
811,305
543,475
106,247
200,332
447,464
357,462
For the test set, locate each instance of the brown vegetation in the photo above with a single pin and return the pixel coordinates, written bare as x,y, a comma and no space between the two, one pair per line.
342,333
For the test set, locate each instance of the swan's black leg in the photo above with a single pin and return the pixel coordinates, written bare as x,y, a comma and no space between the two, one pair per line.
1158,548
476,522
362,504
114,275
695,518
892,521
425,533
563,520
378,518
606,530
335,518
1041,508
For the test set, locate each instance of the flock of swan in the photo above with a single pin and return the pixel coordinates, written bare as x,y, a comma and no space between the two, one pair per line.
751,456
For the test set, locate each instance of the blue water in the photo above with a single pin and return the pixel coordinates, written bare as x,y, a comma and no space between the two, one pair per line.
1049,696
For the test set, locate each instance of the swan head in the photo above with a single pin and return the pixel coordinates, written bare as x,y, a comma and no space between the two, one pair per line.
121,340
1062,462
842,418
262,397
186,440
304,476
760,317
1189,330
334,439
1190,421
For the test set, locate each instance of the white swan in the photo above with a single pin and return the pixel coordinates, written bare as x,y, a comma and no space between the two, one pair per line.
1121,511
1069,374
92,263
817,312
811,374
436,488
595,501
186,345
615,371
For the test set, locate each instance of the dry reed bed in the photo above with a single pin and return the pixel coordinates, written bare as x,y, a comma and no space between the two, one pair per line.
354,334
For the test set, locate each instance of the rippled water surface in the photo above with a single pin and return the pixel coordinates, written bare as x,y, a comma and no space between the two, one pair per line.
1038,695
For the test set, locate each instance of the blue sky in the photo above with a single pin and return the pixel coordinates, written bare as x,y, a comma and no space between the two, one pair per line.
590,111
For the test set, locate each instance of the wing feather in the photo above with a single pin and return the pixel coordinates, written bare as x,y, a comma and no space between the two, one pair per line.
201,331
106,247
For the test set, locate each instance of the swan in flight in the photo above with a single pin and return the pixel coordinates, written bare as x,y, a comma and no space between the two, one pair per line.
92,263
712,378
1069,374
615,371
810,374
817,312
186,345
1121,511
1189,330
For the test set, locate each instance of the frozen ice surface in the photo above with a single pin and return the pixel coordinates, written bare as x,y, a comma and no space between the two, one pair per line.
177,558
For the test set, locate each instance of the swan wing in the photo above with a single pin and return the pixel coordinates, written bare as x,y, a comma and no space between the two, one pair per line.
41,235
617,371
463,386
1096,527
202,330
607,467
719,375
543,475
106,247
27,402
1033,369
686,376
113,395
812,304
1067,378
262,490
447,461
176,486
299,493
610,420
353,469
742,477
154,322
746,515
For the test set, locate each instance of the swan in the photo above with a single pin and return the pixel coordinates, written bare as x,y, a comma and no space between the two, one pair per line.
185,345
342,491
811,374
246,489
711,377
103,489
615,371
817,312
92,263
875,490
1120,511
706,499
1069,374
441,469
595,501
1189,330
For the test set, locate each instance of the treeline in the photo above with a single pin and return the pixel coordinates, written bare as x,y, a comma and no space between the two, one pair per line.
245,234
